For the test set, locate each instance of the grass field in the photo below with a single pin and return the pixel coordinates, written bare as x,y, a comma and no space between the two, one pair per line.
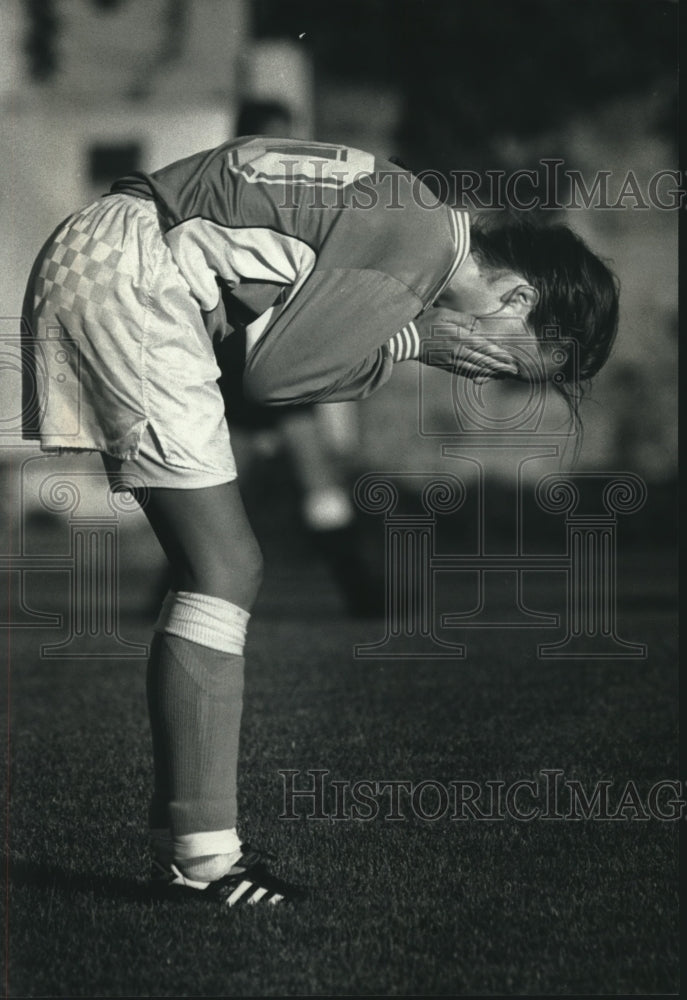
402,907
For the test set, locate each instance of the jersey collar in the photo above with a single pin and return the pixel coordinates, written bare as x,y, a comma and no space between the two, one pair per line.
460,232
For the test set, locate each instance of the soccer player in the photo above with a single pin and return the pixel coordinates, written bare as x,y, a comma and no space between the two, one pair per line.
337,267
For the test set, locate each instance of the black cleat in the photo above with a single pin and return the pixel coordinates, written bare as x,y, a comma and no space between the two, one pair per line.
248,882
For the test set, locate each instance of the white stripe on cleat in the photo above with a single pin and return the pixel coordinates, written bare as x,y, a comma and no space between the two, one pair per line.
238,892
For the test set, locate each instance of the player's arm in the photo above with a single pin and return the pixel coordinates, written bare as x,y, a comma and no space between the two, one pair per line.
331,342
340,337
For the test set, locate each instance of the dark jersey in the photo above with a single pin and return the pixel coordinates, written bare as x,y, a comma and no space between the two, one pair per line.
322,252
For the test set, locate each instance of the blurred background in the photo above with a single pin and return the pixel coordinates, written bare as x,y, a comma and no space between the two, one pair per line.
90,89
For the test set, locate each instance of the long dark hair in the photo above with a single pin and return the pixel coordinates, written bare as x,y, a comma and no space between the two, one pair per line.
578,293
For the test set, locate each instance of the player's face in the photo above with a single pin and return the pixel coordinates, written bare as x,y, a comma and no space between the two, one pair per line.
503,308
535,361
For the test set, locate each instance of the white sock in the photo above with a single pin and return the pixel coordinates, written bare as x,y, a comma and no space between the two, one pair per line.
208,621
327,509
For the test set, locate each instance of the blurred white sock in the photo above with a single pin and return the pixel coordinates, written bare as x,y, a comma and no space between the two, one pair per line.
327,509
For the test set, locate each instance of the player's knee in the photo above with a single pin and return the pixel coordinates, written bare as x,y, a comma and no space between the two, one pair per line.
251,567
234,575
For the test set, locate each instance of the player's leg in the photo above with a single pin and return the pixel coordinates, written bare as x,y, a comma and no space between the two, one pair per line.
195,694
195,673
206,535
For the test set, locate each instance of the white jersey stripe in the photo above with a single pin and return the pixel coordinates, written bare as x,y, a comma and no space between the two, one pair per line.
460,232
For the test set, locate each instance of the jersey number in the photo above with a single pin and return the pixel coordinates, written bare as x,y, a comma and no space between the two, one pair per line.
281,161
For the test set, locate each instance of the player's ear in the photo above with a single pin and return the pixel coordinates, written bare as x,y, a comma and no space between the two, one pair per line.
523,297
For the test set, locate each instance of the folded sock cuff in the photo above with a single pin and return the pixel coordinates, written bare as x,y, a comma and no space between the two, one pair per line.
208,621
188,846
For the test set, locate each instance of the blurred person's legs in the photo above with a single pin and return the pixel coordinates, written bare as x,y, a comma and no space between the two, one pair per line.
327,509
325,501
317,442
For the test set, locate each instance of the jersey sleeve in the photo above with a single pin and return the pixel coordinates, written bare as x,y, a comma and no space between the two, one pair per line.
332,342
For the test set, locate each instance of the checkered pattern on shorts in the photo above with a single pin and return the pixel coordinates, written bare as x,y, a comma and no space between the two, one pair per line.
81,266
130,369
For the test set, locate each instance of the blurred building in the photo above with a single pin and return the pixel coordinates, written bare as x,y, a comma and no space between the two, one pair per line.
99,88
92,89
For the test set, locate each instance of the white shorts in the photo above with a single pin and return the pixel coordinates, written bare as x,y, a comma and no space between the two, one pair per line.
119,360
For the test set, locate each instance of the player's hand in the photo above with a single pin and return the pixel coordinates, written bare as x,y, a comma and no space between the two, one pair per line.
467,351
